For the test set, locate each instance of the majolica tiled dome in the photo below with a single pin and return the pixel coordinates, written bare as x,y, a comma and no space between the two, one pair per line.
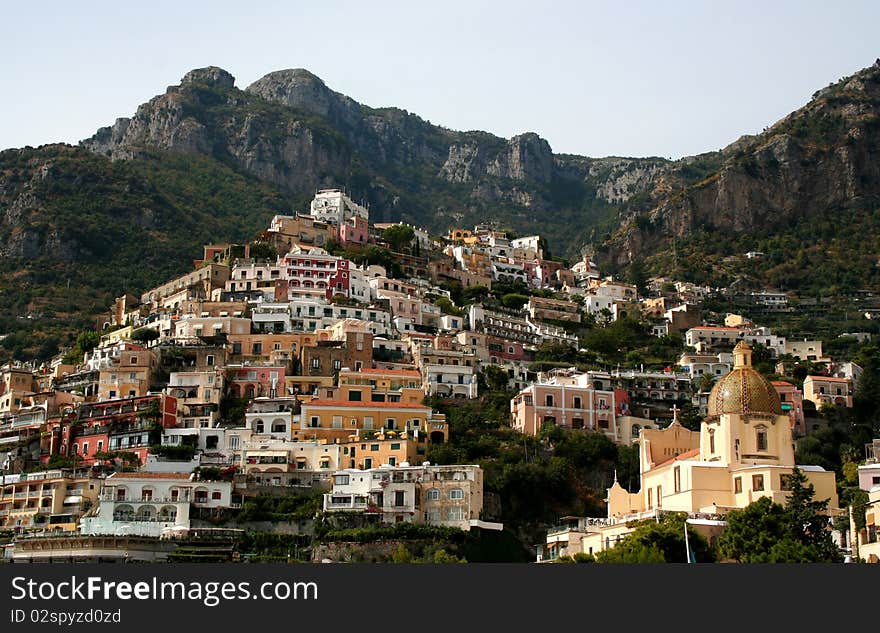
743,390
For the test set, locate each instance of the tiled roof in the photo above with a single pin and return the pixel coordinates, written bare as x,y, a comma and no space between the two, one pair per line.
691,453
829,378
406,372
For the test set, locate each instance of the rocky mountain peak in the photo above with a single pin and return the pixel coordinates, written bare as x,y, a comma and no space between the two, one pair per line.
296,88
212,76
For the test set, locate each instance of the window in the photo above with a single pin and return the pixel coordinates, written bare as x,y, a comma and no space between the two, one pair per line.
712,441
391,423
433,494
456,493
737,485
549,400
368,423
215,495
757,482
354,396
676,475
785,482
875,481
455,514
761,438
315,422
577,402
337,364
340,480
650,498
86,449
659,496
577,423
316,363
399,498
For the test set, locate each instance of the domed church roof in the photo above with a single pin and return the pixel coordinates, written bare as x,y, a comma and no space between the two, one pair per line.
743,390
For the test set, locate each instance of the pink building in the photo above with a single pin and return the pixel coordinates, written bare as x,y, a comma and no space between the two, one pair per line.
253,382
567,401
355,230
502,349
792,400
316,273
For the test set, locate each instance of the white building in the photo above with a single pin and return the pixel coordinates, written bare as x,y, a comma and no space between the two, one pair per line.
272,416
715,365
334,207
452,381
153,504
449,496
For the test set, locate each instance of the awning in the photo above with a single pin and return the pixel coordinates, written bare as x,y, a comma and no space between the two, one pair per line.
72,499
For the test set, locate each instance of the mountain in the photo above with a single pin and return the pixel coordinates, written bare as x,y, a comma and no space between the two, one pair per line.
207,161
805,192
292,131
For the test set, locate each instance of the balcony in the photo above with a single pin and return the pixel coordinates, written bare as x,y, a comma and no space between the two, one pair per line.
127,499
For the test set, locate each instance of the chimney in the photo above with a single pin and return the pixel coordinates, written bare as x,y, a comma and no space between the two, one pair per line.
247,250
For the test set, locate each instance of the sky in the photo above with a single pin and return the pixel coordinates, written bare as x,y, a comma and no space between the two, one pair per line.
625,78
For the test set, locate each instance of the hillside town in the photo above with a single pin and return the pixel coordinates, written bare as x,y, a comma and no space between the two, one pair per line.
323,360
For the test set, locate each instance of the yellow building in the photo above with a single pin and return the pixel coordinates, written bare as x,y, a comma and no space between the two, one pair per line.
337,419
52,499
866,543
743,451
372,450
381,385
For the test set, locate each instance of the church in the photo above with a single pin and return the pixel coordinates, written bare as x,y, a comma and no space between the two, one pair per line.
743,451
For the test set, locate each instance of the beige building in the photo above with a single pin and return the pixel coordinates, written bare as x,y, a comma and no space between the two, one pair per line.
129,376
866,545
743,451
827,389
52,499
449,496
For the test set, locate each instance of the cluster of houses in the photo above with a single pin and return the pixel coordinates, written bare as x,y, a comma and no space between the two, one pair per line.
306,370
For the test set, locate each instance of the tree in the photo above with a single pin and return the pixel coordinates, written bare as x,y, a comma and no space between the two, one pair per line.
495,379
637,277
767,532
398,236
88,340
514,301
145,334
659,542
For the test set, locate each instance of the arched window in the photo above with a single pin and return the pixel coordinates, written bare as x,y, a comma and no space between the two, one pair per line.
123,513
456,493
433,494
761,438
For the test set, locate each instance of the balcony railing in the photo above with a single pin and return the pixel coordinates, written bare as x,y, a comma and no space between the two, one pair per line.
127,499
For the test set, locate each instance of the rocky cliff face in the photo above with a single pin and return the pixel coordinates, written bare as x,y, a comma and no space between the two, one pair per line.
290,129
818,162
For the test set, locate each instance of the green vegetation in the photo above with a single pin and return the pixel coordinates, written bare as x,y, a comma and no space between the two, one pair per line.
766,532
286,508
659,541
118,226
398,236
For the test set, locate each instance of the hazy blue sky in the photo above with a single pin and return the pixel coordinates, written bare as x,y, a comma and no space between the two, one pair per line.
595,78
